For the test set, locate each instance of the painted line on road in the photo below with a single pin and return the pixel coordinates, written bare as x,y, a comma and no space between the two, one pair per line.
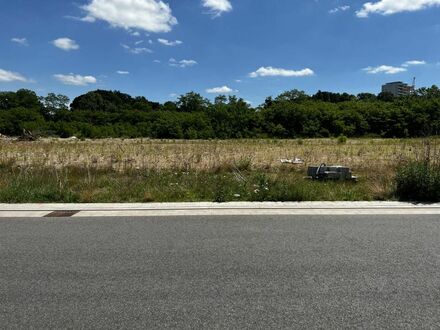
22,214
165,213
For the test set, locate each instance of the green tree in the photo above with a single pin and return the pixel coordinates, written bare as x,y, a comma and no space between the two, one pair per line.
192,102
53,103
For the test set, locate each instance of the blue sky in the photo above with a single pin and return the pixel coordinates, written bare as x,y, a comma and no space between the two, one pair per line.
251,48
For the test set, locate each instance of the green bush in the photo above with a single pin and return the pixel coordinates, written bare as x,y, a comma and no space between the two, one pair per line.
418,181
342,139
244,164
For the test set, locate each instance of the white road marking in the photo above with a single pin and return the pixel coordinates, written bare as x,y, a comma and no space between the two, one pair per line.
163,213
22,214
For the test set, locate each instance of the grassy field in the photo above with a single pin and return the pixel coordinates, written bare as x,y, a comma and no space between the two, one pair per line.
116,170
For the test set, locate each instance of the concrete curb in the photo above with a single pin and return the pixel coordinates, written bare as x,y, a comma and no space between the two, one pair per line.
216,206
233,208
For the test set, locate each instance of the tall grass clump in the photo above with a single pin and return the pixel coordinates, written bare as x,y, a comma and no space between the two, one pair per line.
419,180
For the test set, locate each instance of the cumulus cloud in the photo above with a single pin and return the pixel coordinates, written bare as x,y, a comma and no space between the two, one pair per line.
220,90
217,7
413,63
390,7
277,72
169,42
181,63
9,76
136,50
386,69
75,80
147,15
20,41
338,9
65,44
121,72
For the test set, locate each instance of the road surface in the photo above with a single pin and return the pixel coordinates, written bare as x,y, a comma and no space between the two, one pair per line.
221,272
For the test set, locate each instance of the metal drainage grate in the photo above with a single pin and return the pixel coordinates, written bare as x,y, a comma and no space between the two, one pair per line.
61,214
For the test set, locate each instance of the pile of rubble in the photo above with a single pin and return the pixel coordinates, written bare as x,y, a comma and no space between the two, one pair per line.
27,136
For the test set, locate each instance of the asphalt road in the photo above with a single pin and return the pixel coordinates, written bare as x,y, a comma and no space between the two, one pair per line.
221,272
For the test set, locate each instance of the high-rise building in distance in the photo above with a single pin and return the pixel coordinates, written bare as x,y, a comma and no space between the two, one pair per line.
398,88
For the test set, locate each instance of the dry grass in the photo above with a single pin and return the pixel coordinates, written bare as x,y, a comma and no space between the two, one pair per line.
374,160
361,154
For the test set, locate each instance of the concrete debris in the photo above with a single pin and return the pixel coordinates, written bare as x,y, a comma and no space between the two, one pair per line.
294,161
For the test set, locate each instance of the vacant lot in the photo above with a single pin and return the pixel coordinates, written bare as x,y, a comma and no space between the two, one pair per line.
165,170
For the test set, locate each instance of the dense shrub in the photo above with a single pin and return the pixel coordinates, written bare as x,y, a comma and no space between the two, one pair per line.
342,139
418,181
291,115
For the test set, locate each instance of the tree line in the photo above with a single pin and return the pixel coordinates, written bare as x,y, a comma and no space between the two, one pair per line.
293,114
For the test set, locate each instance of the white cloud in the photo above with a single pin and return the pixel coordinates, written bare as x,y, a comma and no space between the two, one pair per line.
182,63
122,72
75,80
387,69
413,63
146,15
9,76
276,72
185,63
220,90
389,7
65,44
338,9
20,41
169,42
217,7
87,19
137,50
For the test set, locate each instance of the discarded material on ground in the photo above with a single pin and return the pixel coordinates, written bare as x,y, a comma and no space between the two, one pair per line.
294,161
336,172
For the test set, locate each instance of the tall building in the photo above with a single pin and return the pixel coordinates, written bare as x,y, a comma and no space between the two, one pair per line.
398,88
